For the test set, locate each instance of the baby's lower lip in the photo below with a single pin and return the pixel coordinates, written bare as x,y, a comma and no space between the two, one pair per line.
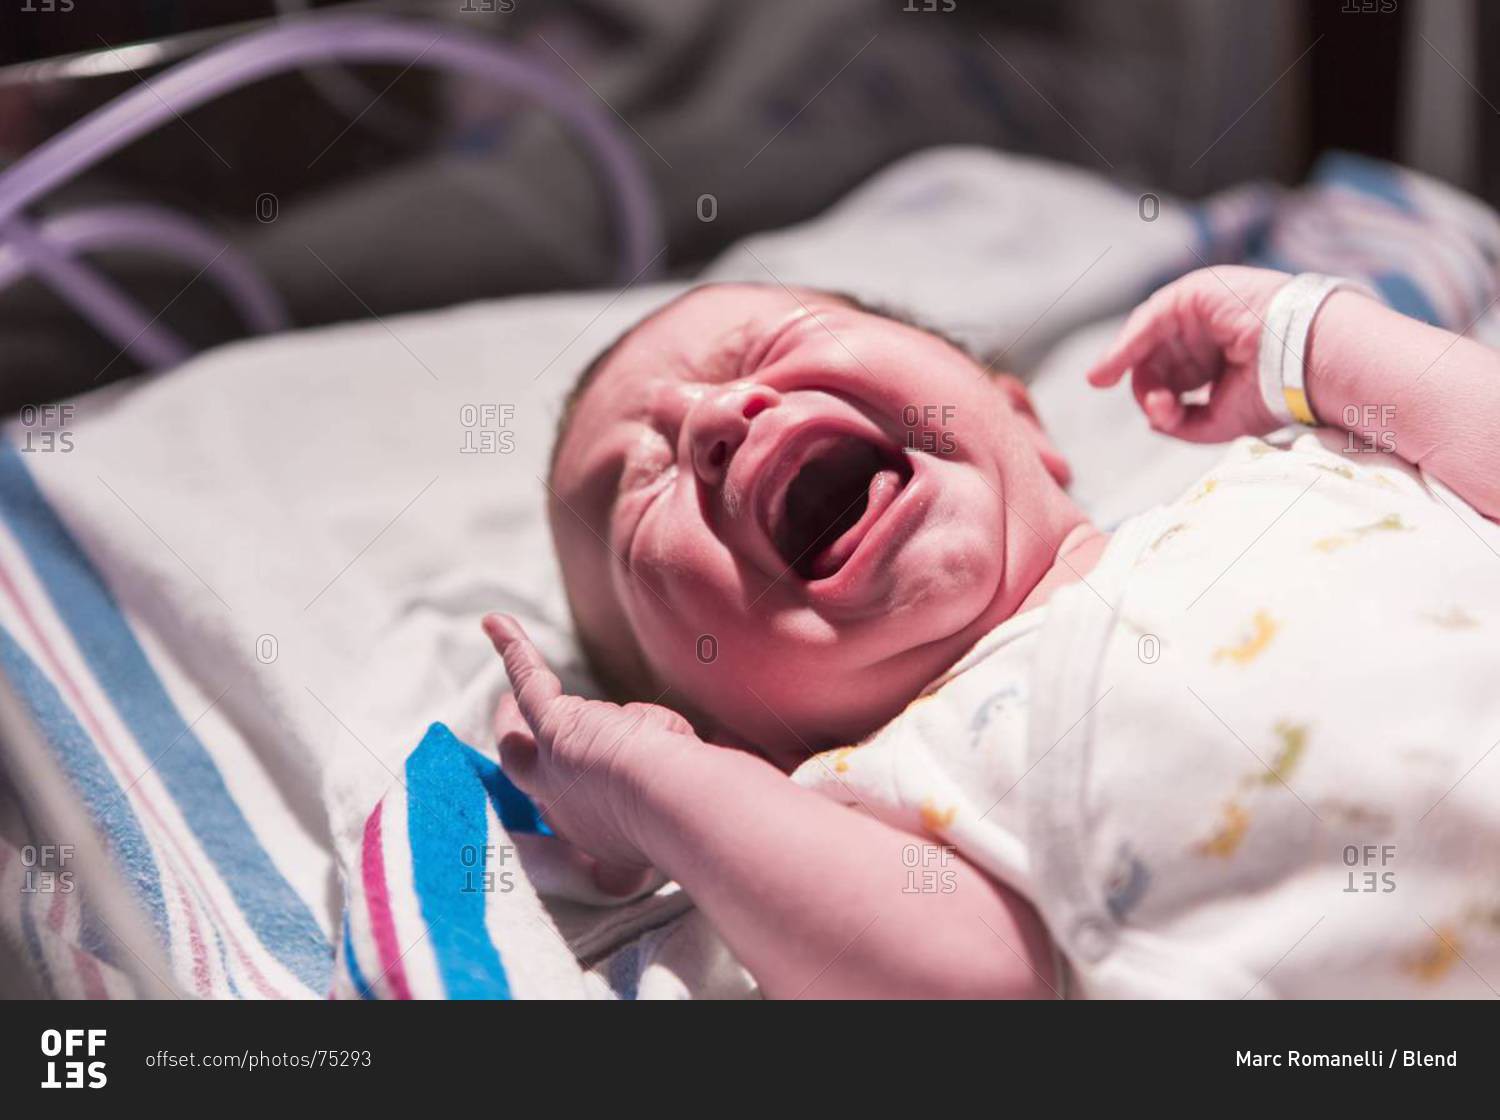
842,484
856,579
885,488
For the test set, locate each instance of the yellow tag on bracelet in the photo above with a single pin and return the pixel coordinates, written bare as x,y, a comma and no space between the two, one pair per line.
1296,404
1285,331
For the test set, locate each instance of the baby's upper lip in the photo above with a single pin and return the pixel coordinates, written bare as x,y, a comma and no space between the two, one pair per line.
782,464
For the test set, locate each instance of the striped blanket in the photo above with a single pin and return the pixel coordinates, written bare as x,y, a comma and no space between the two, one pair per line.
215,895
210,885
260,672
441,888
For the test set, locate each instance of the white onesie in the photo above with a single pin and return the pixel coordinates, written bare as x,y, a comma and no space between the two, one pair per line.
1253,754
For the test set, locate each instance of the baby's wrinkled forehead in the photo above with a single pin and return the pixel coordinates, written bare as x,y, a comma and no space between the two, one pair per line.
704,335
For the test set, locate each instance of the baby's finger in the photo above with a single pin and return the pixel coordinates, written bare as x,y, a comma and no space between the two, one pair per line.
1124,355
1138,338
1147,381
508,718
513,739
535,684
622,882
570,872
1163,409
1203,423
1231,411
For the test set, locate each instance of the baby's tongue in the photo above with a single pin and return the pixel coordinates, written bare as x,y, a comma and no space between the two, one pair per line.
884,486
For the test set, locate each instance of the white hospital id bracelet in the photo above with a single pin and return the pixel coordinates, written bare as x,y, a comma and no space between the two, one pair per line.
1283,343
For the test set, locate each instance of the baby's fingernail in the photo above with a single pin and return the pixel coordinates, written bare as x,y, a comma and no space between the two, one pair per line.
499,627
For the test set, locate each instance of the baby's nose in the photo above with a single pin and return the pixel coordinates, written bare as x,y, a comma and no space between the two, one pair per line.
718,424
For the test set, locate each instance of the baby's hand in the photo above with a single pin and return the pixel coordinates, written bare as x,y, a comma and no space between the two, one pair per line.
582,761
1203,329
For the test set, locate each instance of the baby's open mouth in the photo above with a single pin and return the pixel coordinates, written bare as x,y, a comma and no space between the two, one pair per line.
835,499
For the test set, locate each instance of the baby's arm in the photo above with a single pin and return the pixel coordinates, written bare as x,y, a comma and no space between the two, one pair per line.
1430,396
817,899
813,897
1395,384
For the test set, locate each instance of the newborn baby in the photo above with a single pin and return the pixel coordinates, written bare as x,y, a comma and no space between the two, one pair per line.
1236,747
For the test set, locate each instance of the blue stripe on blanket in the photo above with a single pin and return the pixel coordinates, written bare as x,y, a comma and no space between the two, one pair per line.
91,936
1400,291
281,920
1373,177
38,953
91,777
516,811
351,962
452,861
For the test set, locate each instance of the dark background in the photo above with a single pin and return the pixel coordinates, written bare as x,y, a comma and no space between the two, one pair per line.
420,191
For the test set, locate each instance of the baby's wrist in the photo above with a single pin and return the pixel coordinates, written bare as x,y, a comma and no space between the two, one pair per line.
1342,383
684,773
653,779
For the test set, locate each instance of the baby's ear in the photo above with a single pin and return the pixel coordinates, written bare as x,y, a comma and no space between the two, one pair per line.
1020,400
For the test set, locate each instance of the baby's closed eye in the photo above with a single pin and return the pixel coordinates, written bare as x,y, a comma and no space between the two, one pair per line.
648,459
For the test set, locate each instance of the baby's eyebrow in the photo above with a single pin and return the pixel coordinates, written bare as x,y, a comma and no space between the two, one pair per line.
725,359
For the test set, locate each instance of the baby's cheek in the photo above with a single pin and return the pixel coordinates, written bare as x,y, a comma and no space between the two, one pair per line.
949,572
688,628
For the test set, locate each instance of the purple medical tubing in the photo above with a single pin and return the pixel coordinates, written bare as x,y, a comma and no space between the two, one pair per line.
249,59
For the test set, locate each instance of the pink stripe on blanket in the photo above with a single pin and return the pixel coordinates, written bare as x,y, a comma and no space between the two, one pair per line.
201,975
84,964
378,902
